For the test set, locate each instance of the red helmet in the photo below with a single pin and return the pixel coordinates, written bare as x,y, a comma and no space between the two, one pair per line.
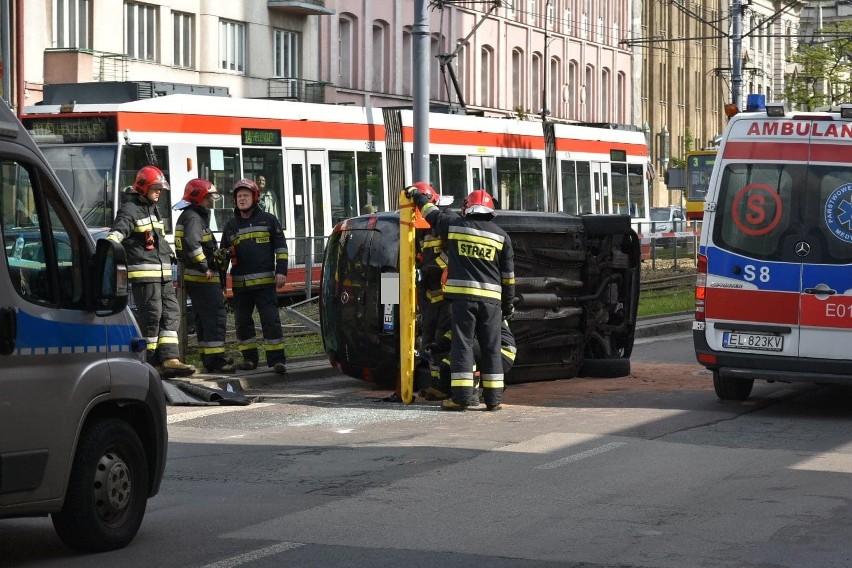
246,183
148,178
428,191
195,192
478,202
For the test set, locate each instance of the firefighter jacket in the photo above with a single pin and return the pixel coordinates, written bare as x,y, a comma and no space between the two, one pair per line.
139,228
195,245
257,247
480,259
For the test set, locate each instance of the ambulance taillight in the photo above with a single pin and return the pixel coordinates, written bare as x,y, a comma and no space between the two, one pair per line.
700,287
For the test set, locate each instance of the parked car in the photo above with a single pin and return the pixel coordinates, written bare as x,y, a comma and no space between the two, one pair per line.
577,286
667,220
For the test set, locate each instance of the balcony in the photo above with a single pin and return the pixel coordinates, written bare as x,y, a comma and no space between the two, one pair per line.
72,65
301,90
300,7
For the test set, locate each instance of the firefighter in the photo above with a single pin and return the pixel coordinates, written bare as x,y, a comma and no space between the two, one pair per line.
195,245
440,351
254,242
480,287
139,228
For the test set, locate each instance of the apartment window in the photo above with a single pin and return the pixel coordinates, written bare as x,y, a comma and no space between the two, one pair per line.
567,23
381,57
232,46
535,71
346,49
435,90
620,91
285,59
571,90
140,31
605,95
590,93
518,79
532,12
555,81
487,84
407,60
184,40
71,24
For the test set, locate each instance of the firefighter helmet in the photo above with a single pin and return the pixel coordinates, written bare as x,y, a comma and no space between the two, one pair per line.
479,202
427,190
195,192
246,183
148,178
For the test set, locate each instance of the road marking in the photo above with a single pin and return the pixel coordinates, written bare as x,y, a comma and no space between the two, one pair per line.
255,555
581,456
211,411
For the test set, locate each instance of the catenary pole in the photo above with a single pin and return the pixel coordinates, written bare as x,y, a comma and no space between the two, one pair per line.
420,90
736,53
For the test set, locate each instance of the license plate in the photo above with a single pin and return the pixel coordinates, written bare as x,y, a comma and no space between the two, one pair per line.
757,341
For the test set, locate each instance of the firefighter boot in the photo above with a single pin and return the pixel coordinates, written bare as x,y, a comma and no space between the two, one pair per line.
177,369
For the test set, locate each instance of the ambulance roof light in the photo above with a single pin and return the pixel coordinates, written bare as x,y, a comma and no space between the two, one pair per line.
845,111
775,109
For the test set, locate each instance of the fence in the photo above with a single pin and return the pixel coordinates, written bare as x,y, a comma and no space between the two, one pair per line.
664,248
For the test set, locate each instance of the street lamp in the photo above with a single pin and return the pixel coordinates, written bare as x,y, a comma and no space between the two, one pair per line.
664,147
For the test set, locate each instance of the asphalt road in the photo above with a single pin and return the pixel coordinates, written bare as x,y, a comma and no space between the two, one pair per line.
649,470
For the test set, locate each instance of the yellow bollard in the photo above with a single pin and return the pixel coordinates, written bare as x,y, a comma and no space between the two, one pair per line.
407,298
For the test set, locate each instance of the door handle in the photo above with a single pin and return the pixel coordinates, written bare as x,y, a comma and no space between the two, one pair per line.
820,291
8,330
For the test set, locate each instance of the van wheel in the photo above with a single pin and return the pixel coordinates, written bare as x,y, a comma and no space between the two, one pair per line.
107,490
732,389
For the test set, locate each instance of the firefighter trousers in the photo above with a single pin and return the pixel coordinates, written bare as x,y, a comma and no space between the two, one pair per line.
158,316
476,321
265,299
210,321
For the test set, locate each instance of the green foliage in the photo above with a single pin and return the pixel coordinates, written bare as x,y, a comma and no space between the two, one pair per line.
823,70
668,301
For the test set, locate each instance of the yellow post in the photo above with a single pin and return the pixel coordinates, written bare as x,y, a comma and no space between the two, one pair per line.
407,301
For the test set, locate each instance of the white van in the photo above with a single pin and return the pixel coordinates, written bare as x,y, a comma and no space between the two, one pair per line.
774,289
82,417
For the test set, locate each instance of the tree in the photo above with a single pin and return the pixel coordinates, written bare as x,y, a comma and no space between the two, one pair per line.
823,69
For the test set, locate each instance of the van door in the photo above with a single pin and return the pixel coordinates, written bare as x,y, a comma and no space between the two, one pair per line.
50,345
825,250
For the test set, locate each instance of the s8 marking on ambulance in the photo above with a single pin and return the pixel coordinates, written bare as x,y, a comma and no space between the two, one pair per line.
774,286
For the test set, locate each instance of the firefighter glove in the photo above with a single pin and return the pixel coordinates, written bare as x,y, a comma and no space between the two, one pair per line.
508,310
220,258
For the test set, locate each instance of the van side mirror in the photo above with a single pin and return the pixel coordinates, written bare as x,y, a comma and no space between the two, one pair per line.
110,278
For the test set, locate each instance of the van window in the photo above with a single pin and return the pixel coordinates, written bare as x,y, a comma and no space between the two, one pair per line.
43,259
755,208
833,182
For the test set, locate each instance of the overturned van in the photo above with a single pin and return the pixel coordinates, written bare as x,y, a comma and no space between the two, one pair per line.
575,313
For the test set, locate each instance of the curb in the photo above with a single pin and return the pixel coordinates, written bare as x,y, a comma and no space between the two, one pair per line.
664,325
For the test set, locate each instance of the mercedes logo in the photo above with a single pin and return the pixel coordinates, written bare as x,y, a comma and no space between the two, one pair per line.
803,249
344,297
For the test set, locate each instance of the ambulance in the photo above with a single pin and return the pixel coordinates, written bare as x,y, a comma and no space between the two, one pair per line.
82,417
773,296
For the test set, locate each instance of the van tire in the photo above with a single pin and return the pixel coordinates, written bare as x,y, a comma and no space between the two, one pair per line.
731,389
107,489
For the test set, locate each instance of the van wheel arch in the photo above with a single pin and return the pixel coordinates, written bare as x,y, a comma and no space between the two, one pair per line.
107,489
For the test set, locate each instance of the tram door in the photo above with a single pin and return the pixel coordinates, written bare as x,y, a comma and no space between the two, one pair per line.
601,178
311,215
480,173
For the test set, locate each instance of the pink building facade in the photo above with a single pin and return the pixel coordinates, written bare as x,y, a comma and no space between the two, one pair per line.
564,56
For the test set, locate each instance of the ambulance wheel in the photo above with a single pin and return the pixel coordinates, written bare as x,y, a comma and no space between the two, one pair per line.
107,489
731,389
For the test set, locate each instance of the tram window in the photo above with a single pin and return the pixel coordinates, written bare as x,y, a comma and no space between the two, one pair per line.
343,190
454,177
264,167
532,185
133,158
584,188
221,166
569,187
434,172
636,190
509,183
370,188
619,189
